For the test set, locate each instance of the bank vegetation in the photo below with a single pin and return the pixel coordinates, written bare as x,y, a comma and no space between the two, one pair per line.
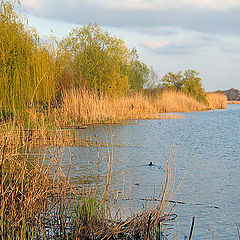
87,77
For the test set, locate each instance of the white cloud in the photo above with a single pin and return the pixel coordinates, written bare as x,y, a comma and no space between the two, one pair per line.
214,4
167,5
32,4
182,43
126,4
155,44
235,58
184,47
201,15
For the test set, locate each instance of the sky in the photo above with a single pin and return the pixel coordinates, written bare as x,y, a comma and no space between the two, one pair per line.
170,35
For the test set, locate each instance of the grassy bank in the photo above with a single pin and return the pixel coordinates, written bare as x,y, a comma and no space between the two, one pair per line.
38,200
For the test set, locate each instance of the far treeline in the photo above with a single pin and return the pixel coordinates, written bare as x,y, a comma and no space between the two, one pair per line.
33,73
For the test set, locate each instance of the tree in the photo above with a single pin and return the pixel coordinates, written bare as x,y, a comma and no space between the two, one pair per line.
173,81
94,59
138,72
153,79
188,82
27,67
193,86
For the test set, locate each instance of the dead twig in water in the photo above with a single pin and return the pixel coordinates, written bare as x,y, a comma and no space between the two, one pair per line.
238,231
191,231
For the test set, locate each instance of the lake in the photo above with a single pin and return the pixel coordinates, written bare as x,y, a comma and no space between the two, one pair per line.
207,148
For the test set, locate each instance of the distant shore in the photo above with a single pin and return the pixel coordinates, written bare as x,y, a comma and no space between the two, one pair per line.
233,102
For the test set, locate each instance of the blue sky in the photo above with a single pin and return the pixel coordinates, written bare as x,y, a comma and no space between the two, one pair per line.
170,35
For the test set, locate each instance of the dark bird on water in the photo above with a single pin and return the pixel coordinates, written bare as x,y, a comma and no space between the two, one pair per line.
150,164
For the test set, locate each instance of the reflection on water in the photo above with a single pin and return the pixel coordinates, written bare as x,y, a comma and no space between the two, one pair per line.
207,149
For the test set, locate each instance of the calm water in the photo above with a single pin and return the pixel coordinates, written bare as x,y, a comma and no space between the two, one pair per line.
207,148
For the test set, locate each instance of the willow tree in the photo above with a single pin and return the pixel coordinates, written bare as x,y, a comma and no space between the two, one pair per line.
93,59
27,68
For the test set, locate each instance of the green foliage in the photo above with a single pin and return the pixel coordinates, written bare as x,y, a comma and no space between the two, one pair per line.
27,68
93,59
188,82
138,72
193,86
173,81
33,74
89,213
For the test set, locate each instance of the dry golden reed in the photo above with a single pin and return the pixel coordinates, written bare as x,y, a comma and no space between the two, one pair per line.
172,101
84,106
217,100
233,102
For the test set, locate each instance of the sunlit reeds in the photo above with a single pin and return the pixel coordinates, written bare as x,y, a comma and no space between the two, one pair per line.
29,195
217,100
233,102
84,106
172,101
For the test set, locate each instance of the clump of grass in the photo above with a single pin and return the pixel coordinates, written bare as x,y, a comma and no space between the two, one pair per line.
217,100
84,106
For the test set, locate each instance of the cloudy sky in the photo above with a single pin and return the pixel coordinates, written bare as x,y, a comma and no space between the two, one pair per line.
170,35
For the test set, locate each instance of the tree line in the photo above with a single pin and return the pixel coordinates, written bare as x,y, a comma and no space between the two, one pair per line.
88,57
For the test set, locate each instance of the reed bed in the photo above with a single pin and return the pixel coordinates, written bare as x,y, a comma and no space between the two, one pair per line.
172,101
38,200
29,196
84,106
217,100
87,107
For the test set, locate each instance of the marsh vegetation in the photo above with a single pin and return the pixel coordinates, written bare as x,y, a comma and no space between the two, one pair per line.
88,77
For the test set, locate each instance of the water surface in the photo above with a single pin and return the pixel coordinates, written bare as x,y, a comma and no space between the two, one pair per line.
207,148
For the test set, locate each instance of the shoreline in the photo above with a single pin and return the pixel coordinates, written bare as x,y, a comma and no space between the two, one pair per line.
233,102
